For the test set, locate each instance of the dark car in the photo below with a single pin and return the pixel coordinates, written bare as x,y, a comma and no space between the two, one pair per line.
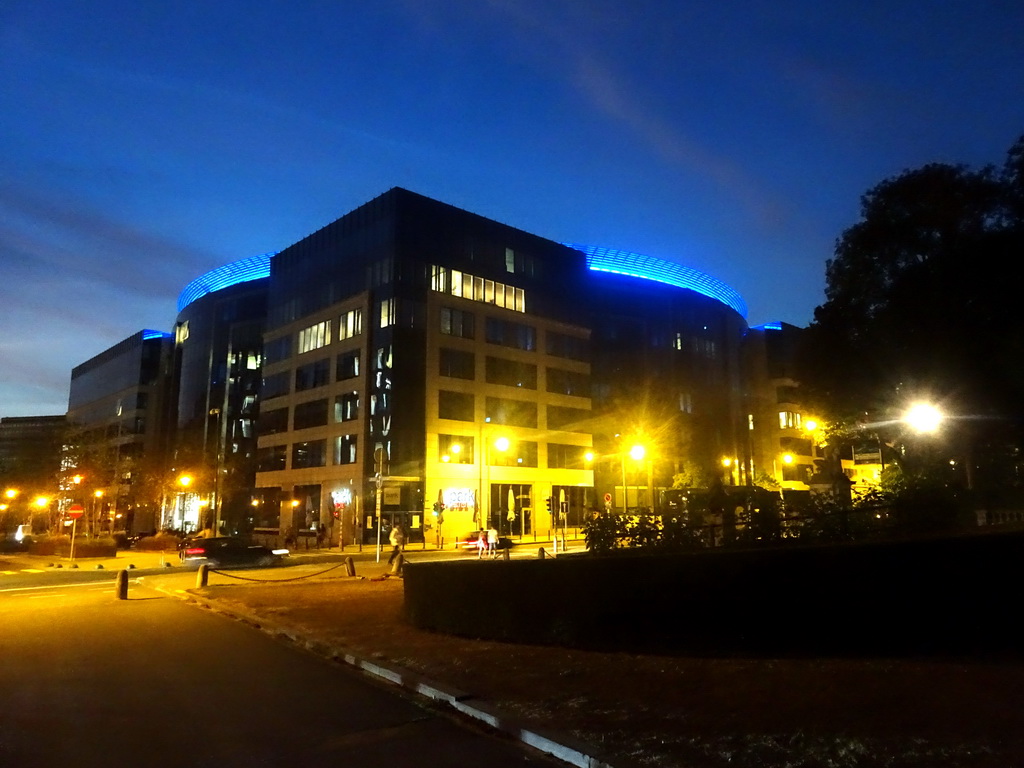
472,542
220,551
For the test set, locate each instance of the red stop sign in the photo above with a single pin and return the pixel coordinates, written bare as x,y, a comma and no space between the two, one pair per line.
75,511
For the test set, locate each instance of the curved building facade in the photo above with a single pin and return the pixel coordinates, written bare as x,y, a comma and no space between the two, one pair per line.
483,376
218,364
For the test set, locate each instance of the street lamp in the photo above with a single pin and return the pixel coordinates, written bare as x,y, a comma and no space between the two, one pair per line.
923,417
502,444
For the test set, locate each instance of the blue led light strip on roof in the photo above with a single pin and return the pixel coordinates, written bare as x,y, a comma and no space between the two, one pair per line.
241,271
148,334
651,268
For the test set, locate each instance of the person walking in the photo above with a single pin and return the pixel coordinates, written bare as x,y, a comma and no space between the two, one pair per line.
492,542
481,543
397,539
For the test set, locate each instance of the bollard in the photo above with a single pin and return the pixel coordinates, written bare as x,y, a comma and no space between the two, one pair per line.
202,576
396,568
541,554
350,566
506,554
121,585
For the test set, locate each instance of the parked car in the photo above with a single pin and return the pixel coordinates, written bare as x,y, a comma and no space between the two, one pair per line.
472,541
220,551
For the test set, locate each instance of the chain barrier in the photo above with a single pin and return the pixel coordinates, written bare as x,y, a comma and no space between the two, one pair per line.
269,581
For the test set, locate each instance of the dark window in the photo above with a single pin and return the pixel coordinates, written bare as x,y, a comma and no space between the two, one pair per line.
312,414
508,333
795,445
312,375
569,419
511,373
456,322
787,395
570,347
348,366
515,413
309,454
277,384
568,382
561,456
455,405
457,364
278,349
273,421
272,458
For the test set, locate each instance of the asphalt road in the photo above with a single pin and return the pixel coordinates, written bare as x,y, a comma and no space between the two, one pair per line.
88,680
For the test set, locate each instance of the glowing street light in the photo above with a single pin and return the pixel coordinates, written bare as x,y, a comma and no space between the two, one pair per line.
923,417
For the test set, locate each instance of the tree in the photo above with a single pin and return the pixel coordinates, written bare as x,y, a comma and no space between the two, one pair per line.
919,303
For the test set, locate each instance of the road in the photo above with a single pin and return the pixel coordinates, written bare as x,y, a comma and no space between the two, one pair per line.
89,680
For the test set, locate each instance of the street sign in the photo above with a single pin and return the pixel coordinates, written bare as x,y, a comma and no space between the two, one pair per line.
75,511
607,498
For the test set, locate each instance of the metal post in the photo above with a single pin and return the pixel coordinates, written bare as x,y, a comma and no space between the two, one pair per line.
380,484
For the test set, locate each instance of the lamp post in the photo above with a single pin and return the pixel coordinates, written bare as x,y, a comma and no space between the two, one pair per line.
218,460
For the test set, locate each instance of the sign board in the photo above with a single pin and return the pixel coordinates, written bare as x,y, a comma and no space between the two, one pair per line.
607,498
75,511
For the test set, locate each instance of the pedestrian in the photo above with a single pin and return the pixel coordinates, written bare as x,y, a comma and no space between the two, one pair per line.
492,542
481,543
397,539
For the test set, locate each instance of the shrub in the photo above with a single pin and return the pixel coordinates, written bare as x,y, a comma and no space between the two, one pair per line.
161,542
604,531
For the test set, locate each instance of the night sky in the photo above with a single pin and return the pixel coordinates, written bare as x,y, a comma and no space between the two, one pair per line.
145,143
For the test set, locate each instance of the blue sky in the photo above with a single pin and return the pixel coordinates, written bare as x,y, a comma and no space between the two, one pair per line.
144,143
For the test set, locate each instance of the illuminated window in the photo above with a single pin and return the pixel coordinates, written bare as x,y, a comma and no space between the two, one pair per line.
314,337
346,406
351,324
686,402
789,420
345,449
474,288
387,312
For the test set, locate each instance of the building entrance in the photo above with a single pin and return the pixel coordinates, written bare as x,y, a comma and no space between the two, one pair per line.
512,509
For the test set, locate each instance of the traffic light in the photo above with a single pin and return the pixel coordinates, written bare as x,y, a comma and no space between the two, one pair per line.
438,508
548,500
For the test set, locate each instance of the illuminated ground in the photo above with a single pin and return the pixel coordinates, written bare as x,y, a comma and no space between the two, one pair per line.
686,712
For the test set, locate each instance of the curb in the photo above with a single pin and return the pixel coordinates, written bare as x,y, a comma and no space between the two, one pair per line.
561,746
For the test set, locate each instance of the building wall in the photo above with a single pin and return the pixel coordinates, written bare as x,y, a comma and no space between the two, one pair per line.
403,260
219,372
118,407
